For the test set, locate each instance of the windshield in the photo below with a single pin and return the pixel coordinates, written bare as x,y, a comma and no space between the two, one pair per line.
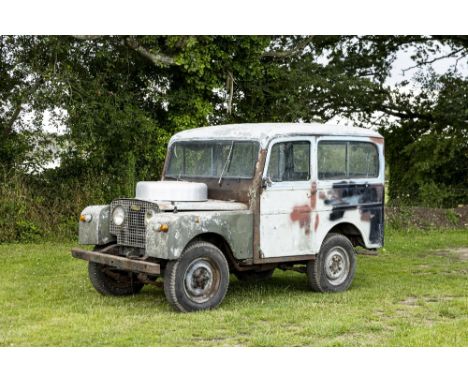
213,159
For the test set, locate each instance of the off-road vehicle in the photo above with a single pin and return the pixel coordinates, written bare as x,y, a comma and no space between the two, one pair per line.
243,199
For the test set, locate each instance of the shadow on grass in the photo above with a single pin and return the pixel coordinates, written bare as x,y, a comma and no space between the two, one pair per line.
283,286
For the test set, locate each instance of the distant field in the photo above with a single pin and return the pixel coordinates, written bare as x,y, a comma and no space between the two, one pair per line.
415,293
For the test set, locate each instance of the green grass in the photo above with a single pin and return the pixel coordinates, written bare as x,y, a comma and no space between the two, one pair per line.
409,295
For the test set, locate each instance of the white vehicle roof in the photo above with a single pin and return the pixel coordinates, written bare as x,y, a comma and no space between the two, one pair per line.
264,132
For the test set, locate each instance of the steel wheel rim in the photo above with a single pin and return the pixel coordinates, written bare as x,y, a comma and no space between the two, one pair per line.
201,280
337,265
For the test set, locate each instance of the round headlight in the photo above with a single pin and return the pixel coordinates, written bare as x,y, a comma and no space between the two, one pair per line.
118,215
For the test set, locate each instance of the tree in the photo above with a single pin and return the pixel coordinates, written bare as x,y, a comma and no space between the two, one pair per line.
123,96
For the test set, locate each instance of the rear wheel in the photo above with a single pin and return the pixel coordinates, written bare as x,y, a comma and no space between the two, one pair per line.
198,280
333,269
113,282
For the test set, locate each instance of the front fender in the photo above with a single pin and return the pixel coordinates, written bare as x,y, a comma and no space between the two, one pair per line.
96,232
236,227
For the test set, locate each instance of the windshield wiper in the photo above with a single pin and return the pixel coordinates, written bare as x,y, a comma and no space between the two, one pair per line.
226,165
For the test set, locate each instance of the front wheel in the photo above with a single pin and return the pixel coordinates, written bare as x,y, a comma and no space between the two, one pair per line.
113,282
198,280
333,269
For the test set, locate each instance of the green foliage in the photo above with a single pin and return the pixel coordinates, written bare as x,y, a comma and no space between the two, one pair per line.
120,98
428,158
27,232
452,216
399,220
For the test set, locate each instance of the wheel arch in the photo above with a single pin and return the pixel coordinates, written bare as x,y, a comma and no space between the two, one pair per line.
219,241
351,231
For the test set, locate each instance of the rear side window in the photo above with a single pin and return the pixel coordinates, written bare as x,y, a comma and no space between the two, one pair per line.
289,161
347,160
363,160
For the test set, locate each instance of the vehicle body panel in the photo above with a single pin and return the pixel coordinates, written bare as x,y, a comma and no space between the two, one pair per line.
235,227
96,232
295,216
278,236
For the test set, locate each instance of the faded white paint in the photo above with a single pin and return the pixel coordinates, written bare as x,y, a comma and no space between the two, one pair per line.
209,205
96,231
292,224
177,191
264,132
278,235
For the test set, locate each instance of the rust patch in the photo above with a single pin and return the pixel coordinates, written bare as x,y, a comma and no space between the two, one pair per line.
376,140
365,216
313,196
317,220
254,202
301,214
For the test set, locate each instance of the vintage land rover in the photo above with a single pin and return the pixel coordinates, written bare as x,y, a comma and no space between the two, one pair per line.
243,199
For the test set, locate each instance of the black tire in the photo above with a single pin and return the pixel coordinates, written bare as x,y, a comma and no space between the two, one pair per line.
333,269
113,282
252,275
198,280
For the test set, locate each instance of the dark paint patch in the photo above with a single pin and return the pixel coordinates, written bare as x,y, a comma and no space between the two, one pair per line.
301,214
367,198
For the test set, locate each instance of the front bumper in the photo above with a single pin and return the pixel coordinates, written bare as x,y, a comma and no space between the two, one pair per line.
138,266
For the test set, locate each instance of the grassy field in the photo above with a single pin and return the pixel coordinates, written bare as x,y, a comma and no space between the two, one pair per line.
415,293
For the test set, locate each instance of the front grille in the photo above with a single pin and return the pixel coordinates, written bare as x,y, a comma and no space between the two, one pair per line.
132,232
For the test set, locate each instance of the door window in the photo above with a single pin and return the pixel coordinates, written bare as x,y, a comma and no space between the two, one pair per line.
289,161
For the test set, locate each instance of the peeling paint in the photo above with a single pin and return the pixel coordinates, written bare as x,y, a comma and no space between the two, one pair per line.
264,132
317,220
236,227
96,232
377,140
313,196
301,214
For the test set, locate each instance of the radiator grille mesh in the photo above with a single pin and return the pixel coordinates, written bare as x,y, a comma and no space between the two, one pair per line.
132,232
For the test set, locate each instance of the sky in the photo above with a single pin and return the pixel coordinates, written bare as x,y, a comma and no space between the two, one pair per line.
403,61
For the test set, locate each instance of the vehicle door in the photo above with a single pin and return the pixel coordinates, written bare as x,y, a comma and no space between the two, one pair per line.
285,203
350,186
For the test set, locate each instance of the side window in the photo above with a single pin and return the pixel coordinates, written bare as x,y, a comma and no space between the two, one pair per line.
289,161
346,160
332,160
363,160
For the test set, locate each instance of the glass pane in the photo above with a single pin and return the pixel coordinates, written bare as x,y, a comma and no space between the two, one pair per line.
363,160
197,160
332,160
289,161
243,155
208,159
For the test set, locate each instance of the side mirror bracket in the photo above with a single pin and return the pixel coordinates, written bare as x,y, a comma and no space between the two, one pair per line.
266,182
